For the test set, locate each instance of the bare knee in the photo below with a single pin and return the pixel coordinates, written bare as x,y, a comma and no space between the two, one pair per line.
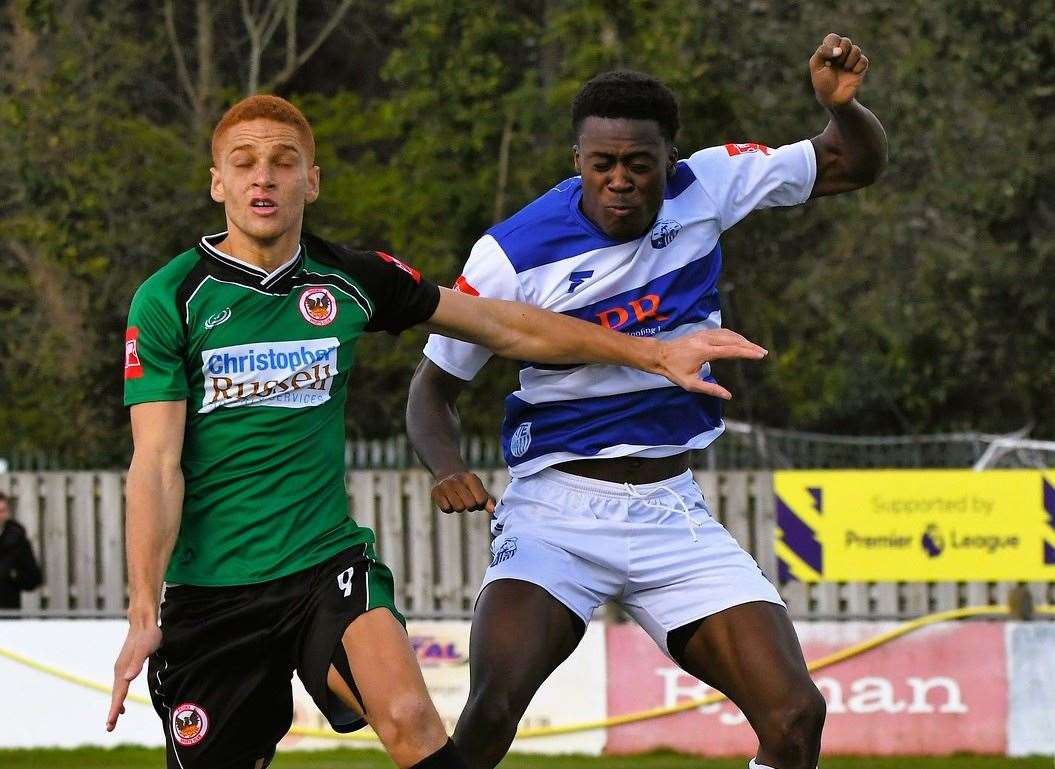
487,727
408,724
494,713
791,733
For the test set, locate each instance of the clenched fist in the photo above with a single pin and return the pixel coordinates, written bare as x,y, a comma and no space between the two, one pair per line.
462,492
837,68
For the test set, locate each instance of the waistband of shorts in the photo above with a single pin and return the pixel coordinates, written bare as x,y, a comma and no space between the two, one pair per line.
603,488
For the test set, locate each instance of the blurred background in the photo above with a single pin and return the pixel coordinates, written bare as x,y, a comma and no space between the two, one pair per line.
920,305
910,325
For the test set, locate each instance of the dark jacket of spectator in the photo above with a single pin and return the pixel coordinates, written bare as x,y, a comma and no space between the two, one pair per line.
19,570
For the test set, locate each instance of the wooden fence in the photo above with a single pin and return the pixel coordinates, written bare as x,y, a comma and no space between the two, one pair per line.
75,522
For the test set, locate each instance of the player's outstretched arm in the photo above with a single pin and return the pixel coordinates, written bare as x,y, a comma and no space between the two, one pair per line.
852,149
523,332
435,434
152,519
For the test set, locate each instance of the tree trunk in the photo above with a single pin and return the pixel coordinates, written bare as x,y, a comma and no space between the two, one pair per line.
503,168
206,70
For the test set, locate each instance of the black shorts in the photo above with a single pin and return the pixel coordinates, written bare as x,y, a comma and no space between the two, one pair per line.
221,679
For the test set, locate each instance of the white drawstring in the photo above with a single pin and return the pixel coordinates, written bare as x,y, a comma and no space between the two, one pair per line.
682,510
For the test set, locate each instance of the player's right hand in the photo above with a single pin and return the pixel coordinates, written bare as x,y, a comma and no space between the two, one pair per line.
140,643
462,492
681,358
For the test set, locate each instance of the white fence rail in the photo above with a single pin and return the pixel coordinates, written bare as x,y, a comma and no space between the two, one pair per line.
75,522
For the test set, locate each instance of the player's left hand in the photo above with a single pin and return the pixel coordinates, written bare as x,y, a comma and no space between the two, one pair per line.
682,358
837,68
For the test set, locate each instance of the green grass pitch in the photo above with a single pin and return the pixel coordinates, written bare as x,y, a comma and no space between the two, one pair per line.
143,758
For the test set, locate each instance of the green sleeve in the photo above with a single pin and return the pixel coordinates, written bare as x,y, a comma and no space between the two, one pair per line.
154,344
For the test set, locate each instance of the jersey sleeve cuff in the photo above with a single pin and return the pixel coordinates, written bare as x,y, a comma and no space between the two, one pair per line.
810,156
450,367
155,396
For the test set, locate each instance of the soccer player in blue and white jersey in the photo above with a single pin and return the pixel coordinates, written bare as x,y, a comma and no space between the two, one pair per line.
602,505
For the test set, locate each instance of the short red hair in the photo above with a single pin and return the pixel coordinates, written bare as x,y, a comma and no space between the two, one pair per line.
269,108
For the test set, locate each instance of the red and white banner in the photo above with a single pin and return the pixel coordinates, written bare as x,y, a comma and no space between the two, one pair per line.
940,690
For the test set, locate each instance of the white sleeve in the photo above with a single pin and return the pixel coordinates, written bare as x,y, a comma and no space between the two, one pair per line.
740,178
489,273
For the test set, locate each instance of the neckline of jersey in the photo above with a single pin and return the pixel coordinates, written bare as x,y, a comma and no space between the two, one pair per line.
263,276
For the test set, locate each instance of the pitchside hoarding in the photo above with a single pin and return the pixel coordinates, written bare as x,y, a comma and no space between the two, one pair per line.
574,693
980,687
1031,697
86,649
941,690
915,525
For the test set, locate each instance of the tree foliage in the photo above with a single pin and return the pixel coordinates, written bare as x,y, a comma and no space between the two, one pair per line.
920,304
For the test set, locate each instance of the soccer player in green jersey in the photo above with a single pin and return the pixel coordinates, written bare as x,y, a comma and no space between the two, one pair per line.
238,357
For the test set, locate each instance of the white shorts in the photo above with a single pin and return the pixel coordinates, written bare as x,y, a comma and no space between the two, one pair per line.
653,548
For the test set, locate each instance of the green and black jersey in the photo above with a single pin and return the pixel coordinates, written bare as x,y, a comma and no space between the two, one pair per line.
263,361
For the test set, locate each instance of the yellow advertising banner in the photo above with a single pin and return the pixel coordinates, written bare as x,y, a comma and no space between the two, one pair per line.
915,525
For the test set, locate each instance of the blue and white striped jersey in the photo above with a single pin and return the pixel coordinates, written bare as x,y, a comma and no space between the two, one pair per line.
663,284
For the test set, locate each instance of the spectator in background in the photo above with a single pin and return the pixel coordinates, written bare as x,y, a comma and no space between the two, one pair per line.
18,567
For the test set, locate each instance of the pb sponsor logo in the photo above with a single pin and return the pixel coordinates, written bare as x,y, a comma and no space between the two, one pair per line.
645,308
133,366
318,306
189,724
294,374
746,149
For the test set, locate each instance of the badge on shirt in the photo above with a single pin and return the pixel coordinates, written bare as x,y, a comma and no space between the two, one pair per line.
133,366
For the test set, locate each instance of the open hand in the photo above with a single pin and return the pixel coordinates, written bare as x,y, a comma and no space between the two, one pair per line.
837,68
462,492
682,358
139,644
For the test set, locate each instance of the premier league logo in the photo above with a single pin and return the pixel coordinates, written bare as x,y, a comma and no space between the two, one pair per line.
932,541
521,440
664,232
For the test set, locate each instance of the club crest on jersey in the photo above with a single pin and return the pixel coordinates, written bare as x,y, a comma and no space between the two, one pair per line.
133,366
521,440
215,320
503,552
664,232
318,306
189,724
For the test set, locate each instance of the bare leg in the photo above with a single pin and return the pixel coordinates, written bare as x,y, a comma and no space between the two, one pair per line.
520,635
390,682
751,653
